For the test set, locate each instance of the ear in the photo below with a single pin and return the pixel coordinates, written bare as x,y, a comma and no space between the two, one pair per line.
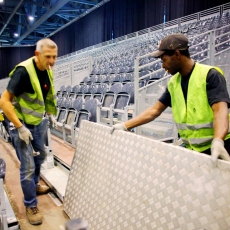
178,54
36,53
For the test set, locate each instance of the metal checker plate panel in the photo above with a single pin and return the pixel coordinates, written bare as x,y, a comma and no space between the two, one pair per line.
125,181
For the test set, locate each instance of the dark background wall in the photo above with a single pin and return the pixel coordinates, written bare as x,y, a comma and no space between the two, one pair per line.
112,20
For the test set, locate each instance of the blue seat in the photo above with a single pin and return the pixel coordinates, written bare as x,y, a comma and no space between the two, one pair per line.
61,116
119,110
101,90
108,100
68,126
88,113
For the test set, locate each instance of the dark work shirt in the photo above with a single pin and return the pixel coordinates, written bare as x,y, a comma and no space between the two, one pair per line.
20,81
216,89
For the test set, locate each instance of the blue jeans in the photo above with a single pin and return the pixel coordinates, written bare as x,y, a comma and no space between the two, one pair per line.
30,165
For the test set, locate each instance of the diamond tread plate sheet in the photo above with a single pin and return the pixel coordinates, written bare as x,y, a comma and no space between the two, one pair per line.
125,181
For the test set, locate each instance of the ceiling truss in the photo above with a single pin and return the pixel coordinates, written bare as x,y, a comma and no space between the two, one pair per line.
17,29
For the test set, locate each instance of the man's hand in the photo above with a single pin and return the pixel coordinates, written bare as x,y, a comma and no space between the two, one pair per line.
25,134
52,120
218,151
120,126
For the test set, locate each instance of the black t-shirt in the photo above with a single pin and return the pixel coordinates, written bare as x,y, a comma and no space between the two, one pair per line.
20,81
216,89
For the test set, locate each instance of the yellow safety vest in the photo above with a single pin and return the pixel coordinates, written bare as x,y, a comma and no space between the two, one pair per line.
31,107
194,120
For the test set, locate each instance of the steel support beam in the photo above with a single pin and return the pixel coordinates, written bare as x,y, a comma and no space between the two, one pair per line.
11,15
49,13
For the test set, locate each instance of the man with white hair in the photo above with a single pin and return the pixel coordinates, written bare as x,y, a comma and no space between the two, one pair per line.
29,94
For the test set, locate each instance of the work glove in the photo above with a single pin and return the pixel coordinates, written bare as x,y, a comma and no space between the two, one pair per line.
25,134
52,120
218,151
119,126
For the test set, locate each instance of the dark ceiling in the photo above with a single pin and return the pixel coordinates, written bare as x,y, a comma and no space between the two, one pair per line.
49,17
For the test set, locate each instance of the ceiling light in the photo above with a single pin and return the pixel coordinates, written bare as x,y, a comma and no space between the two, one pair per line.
15,35
31,18
1,1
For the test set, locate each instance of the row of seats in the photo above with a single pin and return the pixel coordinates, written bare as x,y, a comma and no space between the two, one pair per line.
101,107
97,91
69,117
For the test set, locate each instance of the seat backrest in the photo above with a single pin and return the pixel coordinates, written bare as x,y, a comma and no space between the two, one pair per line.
59,101
117,78
63,88
122,100
87,96
102,88
93,88
69,89
65,105
116,87
76,89
63,101
71,116
84,89
94,78
129,88
91,106
61,114
108,99
77,104
64,94
59,94
86,79
88,113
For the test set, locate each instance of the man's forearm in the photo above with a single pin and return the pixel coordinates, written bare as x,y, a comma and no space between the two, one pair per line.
148,115
221,120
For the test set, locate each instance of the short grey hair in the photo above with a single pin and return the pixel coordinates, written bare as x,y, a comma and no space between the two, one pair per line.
45,42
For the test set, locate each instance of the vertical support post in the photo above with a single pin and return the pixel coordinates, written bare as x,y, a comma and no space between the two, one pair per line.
50,156
136,90
212,47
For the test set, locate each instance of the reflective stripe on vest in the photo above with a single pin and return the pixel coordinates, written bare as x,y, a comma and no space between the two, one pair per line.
194,127
36,100
28,111
194,118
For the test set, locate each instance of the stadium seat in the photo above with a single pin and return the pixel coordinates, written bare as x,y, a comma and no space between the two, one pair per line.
68,125
61,117
88,113
119,109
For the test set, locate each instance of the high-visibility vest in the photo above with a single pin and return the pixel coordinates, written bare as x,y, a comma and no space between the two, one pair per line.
31,107
194,119
1,117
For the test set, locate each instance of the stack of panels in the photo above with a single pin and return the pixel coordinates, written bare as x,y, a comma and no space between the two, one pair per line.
125,181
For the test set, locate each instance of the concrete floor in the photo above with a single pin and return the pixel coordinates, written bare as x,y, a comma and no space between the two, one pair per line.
54,217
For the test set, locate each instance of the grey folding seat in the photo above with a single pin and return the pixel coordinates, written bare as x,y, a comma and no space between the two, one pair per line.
93,79
88,94
63,88
68,126
108,100
101,90
61,116
59,94
69,89
88,113
119,110
75,91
